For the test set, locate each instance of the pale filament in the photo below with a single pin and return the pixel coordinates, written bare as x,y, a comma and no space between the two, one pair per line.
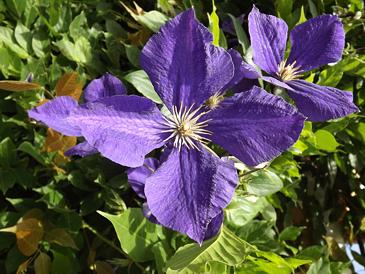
185,128
288,72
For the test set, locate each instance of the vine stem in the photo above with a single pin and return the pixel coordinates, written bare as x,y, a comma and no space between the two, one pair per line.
111,244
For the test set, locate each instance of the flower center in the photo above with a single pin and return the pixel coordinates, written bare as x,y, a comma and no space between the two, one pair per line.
185,127
214,101
288,72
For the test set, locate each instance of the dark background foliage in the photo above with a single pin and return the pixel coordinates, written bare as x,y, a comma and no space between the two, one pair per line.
299,214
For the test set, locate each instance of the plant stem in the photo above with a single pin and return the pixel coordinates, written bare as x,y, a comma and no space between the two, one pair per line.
111,244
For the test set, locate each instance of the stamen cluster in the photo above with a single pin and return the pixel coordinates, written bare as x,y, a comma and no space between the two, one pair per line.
288,72
185,127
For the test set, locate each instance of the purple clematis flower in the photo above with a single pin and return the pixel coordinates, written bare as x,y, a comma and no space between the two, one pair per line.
314,43
191,186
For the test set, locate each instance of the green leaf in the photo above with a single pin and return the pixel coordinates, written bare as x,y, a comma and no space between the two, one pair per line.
153,20
7,153
132,53
76,27
263,183
243,209
330,76
260,234
139,79
353,65
63,263
135,233
357,131
290,233
7,179
23,36
225,248
326,141
161,252
32,151
284,9
241,34
16,6
80,51
6,36
40,44
214,24
302,17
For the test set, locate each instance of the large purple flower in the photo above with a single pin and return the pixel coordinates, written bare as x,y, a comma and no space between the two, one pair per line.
316,42
191,186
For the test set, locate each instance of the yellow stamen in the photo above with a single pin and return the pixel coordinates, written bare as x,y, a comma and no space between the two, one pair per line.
288,72
214,101
185,128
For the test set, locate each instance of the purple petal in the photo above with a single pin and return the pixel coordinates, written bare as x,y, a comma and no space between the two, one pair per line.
276,82
268,39
83,149
182,64
214,226
241,70
148,214
255,126
189,189
320,103
244,85
137,176
105,86
317,42
55,115
122,128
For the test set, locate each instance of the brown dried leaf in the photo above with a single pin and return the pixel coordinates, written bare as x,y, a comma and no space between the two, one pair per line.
18,85
140,37
28,234
103,268
60,237
69,85
42,264
58,142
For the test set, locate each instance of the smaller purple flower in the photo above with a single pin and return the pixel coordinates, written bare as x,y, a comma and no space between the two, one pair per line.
314,43
191,186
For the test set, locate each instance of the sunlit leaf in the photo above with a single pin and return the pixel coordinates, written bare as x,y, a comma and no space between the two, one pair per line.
214,24
326,141
152,19
262,183
136,235
139,79
225,248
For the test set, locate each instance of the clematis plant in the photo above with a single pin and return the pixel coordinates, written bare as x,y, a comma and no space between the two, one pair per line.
189,188
314,43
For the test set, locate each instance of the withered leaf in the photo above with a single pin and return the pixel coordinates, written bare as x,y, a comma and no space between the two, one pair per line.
69,85
18,85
